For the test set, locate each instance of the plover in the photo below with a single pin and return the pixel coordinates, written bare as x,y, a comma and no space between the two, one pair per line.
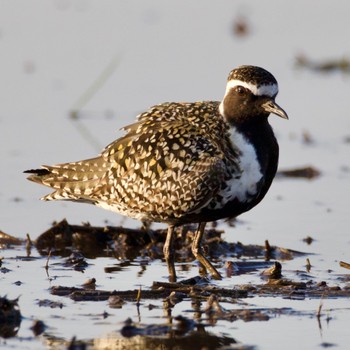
183,162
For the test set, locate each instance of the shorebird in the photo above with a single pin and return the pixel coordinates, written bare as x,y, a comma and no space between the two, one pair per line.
183,162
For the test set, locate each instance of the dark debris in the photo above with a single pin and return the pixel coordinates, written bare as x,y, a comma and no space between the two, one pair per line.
183,333
326,66
127,244
38,327
10,317
50,303
7,240
307,172
175,292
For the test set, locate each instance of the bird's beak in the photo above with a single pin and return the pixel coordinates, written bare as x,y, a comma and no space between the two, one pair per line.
272,107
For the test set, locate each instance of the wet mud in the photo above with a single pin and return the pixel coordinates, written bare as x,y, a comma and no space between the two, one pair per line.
73,246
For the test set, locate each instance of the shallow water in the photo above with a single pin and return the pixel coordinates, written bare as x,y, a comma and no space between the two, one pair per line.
51,53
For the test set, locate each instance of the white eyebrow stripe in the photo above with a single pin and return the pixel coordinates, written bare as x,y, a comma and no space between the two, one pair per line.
263,90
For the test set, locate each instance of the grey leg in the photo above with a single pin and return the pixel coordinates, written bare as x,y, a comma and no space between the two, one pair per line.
197,252
169,253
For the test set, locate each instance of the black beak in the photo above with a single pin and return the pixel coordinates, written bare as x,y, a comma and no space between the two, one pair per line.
272,107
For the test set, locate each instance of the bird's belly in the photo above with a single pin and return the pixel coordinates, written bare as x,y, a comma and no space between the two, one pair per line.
124,210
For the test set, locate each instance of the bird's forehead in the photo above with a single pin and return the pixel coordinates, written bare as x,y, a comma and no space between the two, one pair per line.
258,80
257,89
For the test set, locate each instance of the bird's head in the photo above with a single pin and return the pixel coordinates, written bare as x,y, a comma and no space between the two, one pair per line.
250,95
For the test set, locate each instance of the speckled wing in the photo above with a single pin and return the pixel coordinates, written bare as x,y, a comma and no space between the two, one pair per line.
169,164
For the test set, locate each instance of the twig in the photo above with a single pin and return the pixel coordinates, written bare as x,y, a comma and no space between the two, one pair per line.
28,245
344,264
95,86
318,315
47,261
308,265
138,297
87,96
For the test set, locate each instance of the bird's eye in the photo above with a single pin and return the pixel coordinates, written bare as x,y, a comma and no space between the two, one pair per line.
240,90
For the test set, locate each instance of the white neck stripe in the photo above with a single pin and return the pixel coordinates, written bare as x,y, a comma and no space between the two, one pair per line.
263,90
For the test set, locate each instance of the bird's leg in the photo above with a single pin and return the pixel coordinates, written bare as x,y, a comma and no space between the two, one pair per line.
169,253
197,252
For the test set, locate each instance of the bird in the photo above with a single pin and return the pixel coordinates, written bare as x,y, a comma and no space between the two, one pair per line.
183,162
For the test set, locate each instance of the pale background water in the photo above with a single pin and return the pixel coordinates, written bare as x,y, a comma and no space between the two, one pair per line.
51,52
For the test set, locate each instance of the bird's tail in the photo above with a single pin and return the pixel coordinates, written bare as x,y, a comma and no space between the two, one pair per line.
71,181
